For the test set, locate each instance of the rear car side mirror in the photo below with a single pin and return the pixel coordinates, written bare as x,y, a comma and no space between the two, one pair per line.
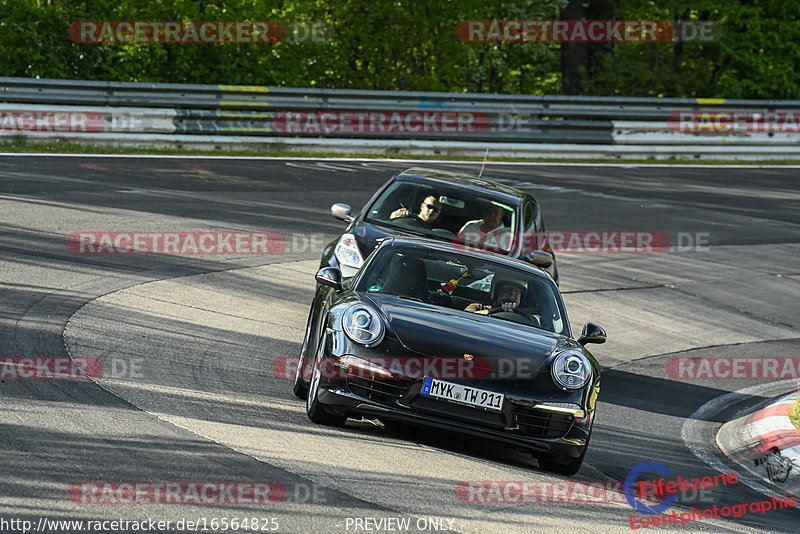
540,258
342,212
331,277
592,333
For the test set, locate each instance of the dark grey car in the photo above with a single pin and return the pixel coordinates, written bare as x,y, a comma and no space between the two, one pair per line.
462,201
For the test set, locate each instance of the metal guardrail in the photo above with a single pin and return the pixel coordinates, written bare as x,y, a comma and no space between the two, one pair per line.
326,114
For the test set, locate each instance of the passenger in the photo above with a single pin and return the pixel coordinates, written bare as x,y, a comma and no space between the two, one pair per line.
429,211
492,221
488,233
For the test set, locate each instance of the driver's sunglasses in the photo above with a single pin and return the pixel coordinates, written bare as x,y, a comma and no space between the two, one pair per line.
433,208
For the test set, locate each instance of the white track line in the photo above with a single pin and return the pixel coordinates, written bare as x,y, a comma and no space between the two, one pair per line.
378,160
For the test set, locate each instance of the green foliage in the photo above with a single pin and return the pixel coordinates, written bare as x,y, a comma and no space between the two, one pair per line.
794,413
757,54
412,45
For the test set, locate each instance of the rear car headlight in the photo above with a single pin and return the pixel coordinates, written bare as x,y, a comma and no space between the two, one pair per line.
347,252
571,369
363,325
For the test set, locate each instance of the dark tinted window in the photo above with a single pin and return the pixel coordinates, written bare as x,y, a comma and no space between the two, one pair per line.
455,281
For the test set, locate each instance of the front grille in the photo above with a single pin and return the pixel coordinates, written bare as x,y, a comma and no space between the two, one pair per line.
383,391
459,412
542,423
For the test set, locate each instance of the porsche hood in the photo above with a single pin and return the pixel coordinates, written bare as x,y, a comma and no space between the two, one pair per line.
440,332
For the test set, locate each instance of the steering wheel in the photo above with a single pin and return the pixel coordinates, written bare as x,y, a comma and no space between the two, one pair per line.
517,316
411,220
416,220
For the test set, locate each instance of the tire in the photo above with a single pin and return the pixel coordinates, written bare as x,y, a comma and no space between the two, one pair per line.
568,469
314,408
299,388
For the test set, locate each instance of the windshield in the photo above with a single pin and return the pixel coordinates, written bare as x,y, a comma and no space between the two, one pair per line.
459,282
446,213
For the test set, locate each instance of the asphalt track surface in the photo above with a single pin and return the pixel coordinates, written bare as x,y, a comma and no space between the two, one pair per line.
203,332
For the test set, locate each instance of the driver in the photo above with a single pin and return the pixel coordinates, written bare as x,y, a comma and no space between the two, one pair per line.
429,211
508,294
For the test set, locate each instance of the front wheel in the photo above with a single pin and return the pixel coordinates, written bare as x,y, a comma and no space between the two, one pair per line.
314,409
568,469
299,388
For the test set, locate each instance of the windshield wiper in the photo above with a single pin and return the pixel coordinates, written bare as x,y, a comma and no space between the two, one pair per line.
415,299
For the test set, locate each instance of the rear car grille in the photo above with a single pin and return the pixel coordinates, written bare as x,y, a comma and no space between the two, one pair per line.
383,391
542,423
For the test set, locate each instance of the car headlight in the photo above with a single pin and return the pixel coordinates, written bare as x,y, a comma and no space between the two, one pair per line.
347,252
562,407
571,369
363,325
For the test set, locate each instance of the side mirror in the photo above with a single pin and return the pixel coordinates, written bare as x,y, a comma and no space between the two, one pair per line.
331,277
540,258
592,333
342,212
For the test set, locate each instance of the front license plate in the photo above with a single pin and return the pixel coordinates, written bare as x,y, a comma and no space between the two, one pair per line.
479,398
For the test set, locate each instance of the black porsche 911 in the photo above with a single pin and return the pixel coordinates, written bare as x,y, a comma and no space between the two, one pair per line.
469,341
